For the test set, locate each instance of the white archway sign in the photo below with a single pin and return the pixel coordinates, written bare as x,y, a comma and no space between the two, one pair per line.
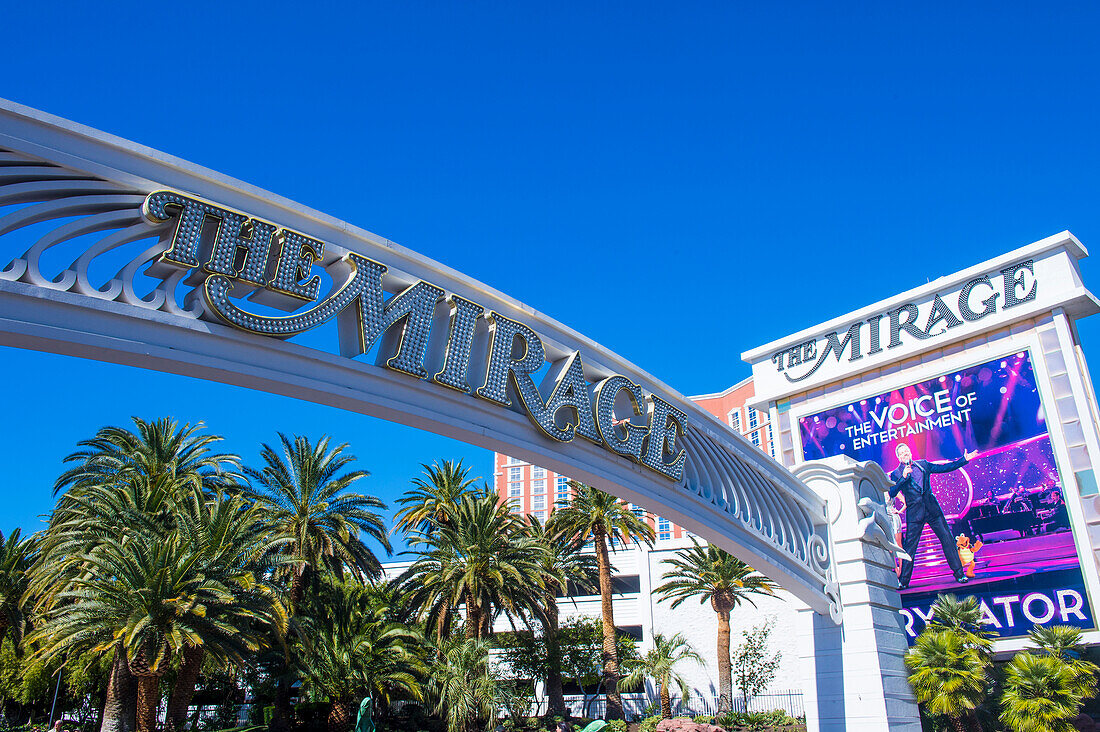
215,279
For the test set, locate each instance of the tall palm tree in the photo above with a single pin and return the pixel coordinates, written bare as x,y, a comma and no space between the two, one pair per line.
153,597
483,557
434,496
659,664
565,567
600,517
16,558
123,482
1041,694
948,675
710,573
307,499
305,491
351,650
232,536
157,451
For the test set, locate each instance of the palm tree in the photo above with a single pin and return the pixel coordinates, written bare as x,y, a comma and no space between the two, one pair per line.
16,557
1041,694
1045,688
599,517
483,557
123,482
352,650
434,496
963,617
306,496
948,675
464,684
232,536
153,597
565,568
156,452
710,573
1064,643
659,664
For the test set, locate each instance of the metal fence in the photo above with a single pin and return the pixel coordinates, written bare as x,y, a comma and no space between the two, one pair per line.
635,705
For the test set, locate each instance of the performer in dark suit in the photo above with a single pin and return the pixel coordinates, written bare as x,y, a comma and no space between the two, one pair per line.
912,479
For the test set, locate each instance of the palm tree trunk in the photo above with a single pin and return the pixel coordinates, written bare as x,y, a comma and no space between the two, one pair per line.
119,706
148,699
280,720
725,672
957,723
610,651
180,698
473,618
486,627
554,692
339,716
297,586
666,703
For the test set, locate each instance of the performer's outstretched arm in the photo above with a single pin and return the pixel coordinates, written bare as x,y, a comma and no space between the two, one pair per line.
953,465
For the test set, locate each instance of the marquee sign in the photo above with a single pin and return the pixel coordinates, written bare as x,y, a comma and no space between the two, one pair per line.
167,271
1018,285
243,255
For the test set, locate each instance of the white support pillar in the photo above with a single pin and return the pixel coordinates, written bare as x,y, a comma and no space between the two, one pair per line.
854,675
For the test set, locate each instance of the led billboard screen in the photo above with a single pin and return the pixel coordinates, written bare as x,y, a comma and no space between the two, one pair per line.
1005,509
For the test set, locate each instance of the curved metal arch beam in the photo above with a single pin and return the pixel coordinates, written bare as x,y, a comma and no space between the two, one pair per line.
731,493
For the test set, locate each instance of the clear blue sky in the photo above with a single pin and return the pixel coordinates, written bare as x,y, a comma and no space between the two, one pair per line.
738,171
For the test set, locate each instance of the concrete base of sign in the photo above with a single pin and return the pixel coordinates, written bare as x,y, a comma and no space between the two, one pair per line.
854,674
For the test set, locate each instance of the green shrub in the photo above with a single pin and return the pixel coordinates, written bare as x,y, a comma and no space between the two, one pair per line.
616,725
269,714
756,721
727,720
704,719
649,724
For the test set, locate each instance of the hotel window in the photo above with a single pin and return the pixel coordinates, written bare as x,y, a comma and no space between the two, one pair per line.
515,473
637,510
538,503
754,438
771,440
735,419
537,472
562,483
753,419
515,505
538,486
664,529
515,489
540,515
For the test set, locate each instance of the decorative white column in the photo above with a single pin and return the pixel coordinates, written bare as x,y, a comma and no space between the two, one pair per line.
854,677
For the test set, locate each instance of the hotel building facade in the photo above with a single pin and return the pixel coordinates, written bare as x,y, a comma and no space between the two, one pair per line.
985,360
